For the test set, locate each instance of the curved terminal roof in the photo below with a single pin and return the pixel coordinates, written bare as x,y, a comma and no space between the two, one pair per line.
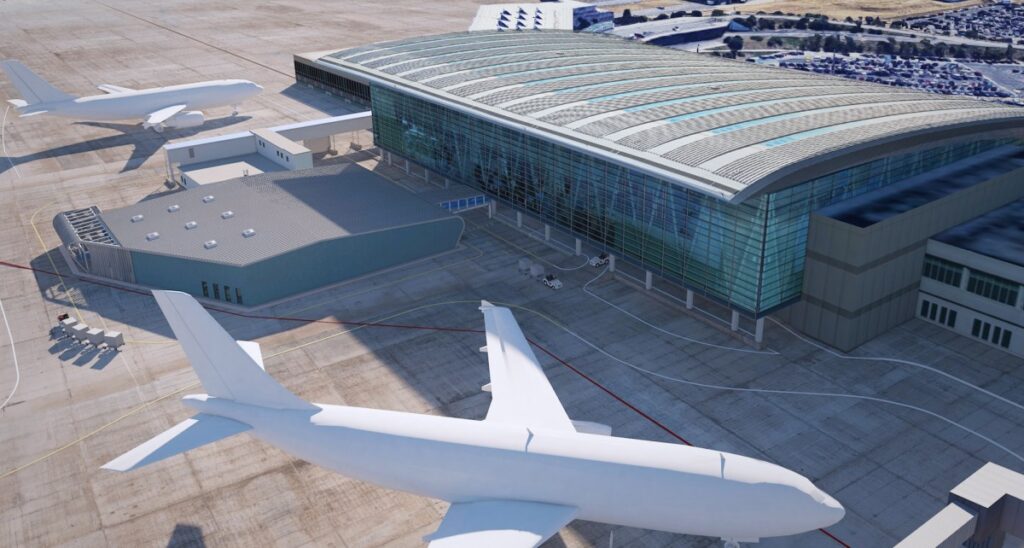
728,128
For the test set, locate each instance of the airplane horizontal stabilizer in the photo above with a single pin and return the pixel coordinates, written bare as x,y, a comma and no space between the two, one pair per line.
500,524
184,436
18,103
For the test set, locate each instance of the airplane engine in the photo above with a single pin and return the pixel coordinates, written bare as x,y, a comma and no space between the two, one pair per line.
189,118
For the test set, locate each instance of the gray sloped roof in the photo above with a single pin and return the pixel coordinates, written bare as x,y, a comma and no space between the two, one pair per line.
725,127
288,210
998,234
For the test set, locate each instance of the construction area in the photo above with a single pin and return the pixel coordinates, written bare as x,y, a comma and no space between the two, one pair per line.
888,430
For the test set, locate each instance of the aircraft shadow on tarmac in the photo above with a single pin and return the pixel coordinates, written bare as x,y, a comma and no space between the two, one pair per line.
145,142
186,535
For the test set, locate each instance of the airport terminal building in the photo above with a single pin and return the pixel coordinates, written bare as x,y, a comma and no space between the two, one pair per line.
705,171
702,170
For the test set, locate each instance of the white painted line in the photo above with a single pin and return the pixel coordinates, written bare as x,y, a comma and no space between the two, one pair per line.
3,313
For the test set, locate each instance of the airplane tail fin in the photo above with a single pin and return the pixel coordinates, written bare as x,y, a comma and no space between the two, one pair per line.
32,87
226,368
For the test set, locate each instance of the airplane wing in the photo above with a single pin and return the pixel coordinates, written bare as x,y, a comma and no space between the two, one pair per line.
500,524
164,114
111,88
520,391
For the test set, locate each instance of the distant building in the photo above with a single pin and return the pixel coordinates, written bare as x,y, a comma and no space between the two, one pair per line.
564,15
258,239
708,172
674,31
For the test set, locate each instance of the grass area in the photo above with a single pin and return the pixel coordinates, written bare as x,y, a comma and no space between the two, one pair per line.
886,9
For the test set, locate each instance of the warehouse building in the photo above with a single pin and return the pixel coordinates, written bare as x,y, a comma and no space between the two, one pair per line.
705,171
257,239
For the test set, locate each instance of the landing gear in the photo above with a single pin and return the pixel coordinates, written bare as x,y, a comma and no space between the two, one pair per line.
730,543
234,110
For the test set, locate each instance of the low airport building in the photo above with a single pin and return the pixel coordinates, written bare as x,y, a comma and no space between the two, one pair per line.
254,240
705,171
973,280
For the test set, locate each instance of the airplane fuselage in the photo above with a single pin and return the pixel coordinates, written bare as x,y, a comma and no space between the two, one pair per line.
621,481
138,104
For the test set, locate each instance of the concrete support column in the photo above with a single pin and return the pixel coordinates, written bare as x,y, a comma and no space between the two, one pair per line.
387,156
447,182
611,263
406,166
519,219
547,233
579,247
735,326
759,330
492,208
649,281
689,299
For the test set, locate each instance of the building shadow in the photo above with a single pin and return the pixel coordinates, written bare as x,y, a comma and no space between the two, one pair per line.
186,535
145,142
321,100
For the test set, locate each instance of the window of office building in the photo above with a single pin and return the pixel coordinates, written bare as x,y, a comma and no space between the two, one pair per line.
993,287
206,290
748,255
999,336
216,291
938,313
947,272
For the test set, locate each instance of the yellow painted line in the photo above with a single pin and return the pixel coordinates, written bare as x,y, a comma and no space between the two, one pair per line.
96,431
42,245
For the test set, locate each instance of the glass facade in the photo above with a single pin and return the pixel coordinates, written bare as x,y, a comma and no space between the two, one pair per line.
749,256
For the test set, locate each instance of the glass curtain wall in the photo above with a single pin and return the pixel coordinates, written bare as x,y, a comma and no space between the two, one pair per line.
749,256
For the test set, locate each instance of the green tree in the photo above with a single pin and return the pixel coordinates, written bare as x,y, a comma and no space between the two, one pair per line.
735,44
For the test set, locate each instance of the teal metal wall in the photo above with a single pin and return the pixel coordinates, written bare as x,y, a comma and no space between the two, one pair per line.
301,270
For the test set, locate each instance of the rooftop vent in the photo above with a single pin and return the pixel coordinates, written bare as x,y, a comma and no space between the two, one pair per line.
173,208
227,214
152,236
137,218
190,225
249,232
210,244
208,198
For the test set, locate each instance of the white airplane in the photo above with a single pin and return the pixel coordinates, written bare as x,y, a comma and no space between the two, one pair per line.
159,108
513,479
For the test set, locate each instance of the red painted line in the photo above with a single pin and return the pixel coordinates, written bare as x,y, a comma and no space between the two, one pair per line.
540,347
